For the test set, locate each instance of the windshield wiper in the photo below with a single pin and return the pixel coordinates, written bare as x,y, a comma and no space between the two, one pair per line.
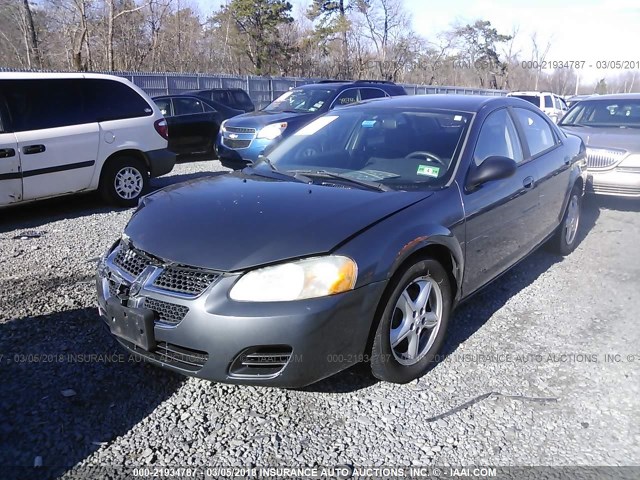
274,170
361,183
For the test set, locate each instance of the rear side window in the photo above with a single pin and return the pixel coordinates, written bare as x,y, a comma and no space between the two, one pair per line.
347,97
112,100
240,97
369,93
187,106
548,103
45,103
536,130
219,96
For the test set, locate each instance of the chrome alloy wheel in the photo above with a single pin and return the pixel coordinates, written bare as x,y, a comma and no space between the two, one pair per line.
572,220
128,183
416,320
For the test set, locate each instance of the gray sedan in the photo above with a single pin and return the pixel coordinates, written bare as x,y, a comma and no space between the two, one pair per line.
609,125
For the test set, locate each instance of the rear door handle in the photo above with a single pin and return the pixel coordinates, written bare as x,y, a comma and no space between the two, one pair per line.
528,183
7,152
31,149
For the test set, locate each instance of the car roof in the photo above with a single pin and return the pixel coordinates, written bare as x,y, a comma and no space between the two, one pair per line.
340,85
463,103
615,96
532,93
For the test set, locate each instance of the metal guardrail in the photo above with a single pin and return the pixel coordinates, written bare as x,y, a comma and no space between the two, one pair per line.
262,90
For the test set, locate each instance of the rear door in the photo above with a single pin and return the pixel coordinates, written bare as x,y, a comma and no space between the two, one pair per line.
10,175
57,140
543,147
191,128
499,213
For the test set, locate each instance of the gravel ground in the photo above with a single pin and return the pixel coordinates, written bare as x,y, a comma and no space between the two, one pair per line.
524,379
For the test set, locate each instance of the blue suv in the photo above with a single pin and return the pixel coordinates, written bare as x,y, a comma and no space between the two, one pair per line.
242,139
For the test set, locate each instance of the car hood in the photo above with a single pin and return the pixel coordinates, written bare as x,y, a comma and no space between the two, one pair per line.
262,118
237,221
620,138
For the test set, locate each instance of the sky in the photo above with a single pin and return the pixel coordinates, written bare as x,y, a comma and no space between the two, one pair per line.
581,30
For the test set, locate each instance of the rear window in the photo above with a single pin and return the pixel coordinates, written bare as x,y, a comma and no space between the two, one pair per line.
530,98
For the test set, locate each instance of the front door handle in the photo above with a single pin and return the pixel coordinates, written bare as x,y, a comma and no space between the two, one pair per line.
7,152
31,149
528,183
567,160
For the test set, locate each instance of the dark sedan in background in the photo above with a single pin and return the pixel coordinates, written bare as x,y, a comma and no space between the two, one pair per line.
610,128
193,123
353,241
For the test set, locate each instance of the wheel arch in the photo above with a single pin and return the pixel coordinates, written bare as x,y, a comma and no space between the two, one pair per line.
133,153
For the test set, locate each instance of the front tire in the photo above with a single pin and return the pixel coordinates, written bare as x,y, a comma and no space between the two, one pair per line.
413,324
565,239
124,180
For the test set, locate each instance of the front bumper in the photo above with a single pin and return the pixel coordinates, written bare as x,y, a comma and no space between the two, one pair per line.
617,182
160,161
239,158
313,338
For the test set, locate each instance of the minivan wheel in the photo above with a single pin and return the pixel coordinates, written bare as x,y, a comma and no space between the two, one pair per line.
565,239
124,180
413,324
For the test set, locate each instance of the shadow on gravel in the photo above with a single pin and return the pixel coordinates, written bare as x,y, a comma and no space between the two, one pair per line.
66,388
621,204
34,215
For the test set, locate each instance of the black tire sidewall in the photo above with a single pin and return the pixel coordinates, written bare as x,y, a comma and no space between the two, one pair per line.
107,187
563,247
384,365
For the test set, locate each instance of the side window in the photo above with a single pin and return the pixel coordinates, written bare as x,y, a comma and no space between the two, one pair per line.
346,97
112,100
537,131
164,104
498,136
187,106
220,96
208,108
369,93
548,103
39,104
563,104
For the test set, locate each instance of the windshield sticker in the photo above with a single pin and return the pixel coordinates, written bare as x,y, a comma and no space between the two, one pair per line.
368,123
428,171
457,118
315,126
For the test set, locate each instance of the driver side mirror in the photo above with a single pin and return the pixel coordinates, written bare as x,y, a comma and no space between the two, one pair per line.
493,168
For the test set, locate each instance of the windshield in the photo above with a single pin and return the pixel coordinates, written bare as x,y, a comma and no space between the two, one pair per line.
301,100
389,148
604,113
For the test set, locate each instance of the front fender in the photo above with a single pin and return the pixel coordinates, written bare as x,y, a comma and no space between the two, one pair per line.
434,222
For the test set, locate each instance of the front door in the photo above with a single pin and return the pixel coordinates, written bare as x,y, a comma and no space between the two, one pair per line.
499,213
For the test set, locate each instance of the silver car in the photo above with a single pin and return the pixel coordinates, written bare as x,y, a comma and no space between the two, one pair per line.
609,125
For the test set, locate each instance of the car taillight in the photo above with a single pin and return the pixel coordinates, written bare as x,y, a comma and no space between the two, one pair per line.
162,128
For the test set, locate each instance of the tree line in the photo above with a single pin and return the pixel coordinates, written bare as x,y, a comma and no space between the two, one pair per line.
339,39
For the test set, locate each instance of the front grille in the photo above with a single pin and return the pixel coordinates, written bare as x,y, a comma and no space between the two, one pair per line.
240,130
616,190
170,313
264,361
113,289
132,261
231,143
601,158
184,280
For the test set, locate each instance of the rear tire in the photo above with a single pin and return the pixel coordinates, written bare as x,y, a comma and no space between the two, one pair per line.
565,240
124,180
413,324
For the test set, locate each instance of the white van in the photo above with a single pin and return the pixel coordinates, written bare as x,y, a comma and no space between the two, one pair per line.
63,133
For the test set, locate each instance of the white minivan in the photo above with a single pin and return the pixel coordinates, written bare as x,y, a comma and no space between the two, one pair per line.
63,133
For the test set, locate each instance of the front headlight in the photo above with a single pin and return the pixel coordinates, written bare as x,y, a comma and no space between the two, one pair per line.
224,122
272,131
632,161
308,278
